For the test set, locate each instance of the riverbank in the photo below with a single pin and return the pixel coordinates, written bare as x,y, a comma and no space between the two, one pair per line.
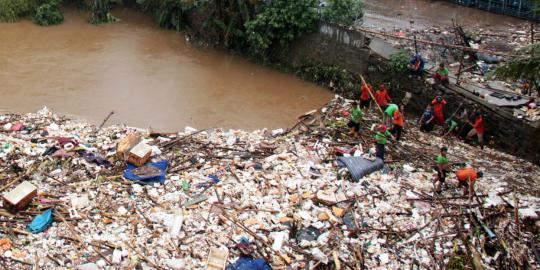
295,203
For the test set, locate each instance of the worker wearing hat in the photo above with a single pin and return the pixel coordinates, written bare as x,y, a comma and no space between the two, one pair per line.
381,138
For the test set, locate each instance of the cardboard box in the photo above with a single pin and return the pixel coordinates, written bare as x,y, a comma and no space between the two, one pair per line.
20,197
126,144
140,154
217,259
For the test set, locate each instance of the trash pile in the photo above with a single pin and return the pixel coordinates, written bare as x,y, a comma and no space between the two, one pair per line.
75,196
475,65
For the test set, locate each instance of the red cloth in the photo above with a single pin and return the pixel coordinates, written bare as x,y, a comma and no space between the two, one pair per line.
438,107
479,125
365,93
381,97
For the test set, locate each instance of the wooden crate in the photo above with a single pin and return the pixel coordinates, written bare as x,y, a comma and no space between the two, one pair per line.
140,154
20,197
126,144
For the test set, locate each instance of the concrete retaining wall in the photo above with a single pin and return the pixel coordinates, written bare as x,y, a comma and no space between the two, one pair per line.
350,49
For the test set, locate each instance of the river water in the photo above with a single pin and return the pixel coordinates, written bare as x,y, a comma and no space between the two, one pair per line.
150,77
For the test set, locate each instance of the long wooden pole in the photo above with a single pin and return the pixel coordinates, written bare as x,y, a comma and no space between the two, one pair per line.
371,94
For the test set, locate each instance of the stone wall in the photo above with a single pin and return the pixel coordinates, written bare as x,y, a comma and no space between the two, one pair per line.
350,49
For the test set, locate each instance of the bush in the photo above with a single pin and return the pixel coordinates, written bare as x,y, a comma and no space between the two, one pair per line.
399,61
12,10
344,12
48,14
278,23
335,78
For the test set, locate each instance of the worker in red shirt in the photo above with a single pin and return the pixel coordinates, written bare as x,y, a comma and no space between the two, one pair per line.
381,97
478,129
467,177
365,97
438,110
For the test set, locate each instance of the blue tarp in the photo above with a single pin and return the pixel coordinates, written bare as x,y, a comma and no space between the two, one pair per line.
41,222
359,167
161,165
248,263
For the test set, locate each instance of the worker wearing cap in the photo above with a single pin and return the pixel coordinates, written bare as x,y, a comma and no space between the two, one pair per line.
381,138
467,177
442,165
381,97
438,110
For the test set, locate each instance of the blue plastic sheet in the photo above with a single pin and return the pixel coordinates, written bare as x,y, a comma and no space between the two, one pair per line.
161,165
248,263
41,222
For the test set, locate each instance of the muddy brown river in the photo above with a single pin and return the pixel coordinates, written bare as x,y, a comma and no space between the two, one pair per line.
150,77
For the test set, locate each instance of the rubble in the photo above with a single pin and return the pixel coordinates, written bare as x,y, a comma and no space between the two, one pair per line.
436,47
282,190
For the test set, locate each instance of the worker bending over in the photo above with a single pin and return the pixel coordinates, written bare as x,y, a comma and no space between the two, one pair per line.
467,177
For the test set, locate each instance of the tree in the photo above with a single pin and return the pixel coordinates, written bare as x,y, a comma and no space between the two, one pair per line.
344,12
525,65
278,23
228,18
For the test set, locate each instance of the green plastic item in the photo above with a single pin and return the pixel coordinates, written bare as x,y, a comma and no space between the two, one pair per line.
185,185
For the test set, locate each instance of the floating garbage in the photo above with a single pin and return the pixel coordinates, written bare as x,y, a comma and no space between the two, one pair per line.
191,195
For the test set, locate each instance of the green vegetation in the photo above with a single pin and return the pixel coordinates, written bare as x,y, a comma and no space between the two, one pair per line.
227,20
525,65
344,12
172,14
13,10
399,61
48,14
101,12
278,24
331,76
457,263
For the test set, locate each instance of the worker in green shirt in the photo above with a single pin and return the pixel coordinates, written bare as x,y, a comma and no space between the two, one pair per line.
450,126
441,75
389,113
356,117
442,165
381,138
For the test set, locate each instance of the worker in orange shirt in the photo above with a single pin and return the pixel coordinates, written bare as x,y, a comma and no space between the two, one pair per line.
467,177
381,97
365,97
399,122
